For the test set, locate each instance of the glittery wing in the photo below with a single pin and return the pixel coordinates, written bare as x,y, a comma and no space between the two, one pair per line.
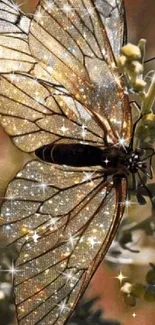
62,220
34,114
85,73
69,40
113,16
63,229
14,49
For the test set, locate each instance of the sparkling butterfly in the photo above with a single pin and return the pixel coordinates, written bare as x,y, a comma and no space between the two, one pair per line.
63,102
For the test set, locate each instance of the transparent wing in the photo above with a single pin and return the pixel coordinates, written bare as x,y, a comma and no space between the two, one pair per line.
63,230
62,219
34,114
14,50
69,40
113,16
72,49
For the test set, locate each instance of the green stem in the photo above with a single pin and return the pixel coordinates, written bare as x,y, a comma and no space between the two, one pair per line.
149,99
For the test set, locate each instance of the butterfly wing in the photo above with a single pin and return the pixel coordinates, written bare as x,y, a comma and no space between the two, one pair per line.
64,207
14,49
75,217
34,115
113,17
75,213
84,76
70,42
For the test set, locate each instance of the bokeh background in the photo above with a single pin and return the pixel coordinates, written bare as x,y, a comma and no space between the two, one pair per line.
141,24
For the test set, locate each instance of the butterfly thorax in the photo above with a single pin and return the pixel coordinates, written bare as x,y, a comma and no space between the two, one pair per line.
81,155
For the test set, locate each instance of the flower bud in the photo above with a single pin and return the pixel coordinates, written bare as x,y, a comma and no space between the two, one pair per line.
126,288
132,52
121,61
149,120
137,67
140,84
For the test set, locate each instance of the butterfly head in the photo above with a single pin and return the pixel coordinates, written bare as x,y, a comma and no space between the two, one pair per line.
135,162
139,160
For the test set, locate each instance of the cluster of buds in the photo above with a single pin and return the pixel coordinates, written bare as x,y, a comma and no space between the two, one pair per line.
131,64
146,291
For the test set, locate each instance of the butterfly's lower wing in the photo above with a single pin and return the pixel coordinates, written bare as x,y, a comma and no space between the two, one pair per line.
34,114
69,40
14,27
74,215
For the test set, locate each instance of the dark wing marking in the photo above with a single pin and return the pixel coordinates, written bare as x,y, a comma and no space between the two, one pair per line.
75,217
69,40
35,115
14,49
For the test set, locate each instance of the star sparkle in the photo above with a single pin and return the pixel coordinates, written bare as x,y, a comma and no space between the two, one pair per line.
11,198
69,276
93,241
121,277
12,271
87,176
128,204
42,185
16,6
89,11
53,223
39,15
122,142
106,161
67,8
63,306
63,128
49,4
72,240
35,237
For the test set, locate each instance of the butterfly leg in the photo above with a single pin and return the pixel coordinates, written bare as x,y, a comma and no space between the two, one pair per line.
147,191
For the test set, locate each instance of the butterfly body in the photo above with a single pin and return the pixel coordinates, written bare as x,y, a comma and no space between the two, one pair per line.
112,159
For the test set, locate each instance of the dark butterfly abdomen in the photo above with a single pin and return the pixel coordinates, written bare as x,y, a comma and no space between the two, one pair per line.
78,155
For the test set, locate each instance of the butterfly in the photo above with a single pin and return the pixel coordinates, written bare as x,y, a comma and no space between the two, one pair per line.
63,103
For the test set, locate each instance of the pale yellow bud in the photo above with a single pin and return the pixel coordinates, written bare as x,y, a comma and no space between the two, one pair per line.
132,52
137,67
140,84
127,288
121,61
149,119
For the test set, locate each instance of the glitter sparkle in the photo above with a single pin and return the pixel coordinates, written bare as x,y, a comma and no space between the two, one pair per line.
121,277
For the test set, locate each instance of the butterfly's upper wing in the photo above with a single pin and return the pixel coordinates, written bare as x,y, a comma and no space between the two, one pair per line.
14,50
14,28
75,214
113,17
34,114
70,42
83,65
